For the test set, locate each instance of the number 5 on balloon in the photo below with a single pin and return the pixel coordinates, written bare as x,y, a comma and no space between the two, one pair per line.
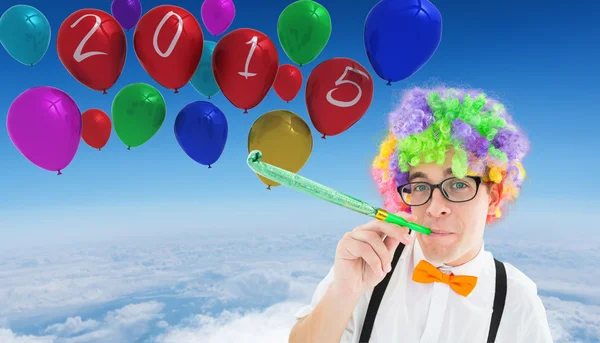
341,81
254,42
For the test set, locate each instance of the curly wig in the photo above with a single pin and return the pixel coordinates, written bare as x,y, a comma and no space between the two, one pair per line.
429,122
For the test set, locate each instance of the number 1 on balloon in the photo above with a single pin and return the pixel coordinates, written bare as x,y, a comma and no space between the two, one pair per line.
254,42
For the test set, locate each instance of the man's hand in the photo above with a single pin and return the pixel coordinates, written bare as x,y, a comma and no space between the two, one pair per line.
363,257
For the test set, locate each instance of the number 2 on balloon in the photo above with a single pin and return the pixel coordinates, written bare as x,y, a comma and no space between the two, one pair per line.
341,81
77,55
245,73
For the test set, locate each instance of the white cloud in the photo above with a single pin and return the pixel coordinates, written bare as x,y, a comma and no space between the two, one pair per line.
223,289
72,325
7,336
271,325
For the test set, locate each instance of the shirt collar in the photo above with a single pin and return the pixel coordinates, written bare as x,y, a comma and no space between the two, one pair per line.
474,267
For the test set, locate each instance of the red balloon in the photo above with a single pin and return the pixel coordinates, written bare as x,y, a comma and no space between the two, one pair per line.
92,46
338,93
288,82
168,42
245,63
96,128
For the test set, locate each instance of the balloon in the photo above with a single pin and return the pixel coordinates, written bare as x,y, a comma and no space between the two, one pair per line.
126,12
25,34
203,80
288,82
201,131
401,36
338,93
284,139
303,28
96,128
138,112
44,124
217,15
92,46
168,42
245,63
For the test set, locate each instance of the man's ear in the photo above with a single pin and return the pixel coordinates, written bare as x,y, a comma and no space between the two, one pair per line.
495,192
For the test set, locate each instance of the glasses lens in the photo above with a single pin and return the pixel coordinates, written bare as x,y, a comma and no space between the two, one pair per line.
460,189
415,194
456,189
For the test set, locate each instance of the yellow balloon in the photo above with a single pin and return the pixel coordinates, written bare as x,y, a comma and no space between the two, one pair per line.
284,139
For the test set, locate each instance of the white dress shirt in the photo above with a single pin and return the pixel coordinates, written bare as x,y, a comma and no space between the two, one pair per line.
412,312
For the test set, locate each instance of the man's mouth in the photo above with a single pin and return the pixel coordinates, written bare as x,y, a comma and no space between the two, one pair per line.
440,233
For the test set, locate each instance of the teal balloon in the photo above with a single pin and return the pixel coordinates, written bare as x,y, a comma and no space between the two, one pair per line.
203,80
25,34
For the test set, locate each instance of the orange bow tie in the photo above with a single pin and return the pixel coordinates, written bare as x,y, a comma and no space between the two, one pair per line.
425,272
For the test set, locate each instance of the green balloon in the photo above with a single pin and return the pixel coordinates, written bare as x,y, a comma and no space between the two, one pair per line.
303,28
138,112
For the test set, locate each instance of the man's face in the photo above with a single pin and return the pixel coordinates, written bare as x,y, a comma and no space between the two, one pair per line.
457,228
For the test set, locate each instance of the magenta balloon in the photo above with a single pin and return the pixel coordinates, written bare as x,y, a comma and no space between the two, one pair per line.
217,15
44,123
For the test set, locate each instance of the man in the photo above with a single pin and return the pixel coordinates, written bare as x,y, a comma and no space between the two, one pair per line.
451,162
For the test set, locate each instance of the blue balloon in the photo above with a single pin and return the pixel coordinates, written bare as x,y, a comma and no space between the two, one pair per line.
25,34
401,36
203,79
201,131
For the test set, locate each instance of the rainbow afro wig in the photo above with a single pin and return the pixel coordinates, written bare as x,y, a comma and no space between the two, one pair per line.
429,122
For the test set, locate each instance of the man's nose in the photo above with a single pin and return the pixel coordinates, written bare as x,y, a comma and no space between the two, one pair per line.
438,205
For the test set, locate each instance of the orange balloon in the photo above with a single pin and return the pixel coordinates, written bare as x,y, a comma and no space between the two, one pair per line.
96,128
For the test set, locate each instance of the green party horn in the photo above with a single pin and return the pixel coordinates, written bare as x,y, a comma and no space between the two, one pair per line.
305,185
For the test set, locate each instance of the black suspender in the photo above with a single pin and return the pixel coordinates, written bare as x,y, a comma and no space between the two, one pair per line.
379,290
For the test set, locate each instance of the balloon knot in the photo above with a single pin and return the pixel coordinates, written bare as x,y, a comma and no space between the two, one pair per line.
209,97
323,137
269,187
128,148
176,91
209,166
245,111
104,93
300,65
59,173
389,83
31,65
288,102
99,149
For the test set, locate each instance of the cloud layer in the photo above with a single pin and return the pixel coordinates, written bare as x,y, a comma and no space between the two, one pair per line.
218,289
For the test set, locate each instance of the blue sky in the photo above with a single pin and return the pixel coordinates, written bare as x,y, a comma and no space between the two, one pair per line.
538,59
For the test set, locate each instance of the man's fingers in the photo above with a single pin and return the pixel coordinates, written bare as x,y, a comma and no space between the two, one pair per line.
365,251
388,229
373,239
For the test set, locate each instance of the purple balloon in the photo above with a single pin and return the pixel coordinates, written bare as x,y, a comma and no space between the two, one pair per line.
126,12
217,15
44,123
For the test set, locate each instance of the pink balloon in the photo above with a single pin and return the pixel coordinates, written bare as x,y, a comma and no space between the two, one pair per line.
217,15
44,124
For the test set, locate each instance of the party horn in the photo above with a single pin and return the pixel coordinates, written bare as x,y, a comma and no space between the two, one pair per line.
305,185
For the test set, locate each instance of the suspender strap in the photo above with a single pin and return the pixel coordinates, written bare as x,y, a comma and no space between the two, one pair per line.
378,292
499,300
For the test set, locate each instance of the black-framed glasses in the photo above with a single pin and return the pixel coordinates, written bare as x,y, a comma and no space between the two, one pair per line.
454,189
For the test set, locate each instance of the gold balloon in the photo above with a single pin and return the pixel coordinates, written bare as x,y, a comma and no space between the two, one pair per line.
284,139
